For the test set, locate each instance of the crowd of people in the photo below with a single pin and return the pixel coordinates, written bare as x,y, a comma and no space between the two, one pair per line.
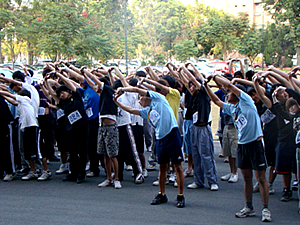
99,116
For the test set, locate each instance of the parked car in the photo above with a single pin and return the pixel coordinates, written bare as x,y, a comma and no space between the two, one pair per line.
203,68
257,65
221,66
7,72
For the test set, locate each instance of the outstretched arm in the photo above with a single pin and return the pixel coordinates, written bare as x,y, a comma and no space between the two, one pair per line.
125,107
261,92
213,96
227,84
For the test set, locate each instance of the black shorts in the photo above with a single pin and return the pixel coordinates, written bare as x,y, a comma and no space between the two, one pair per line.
30,143
251,156
169,147
285,156
138,132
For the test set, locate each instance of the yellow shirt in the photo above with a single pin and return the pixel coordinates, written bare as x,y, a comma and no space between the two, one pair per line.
173,97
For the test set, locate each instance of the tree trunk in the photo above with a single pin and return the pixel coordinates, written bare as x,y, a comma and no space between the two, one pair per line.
298,55
282,63
1,56
30,54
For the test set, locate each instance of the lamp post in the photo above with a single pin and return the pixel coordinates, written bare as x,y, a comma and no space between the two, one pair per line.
125,28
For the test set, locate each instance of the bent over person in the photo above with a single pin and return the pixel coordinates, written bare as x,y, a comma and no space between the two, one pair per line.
250,152
168,141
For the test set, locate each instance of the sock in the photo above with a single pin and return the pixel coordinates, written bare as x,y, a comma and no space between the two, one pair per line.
265,206
249,205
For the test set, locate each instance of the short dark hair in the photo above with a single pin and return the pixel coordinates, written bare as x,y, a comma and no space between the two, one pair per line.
289,103
133,82
141,73
163,82
24,92
46,71
62,88
250,74
170,79
19,75
105,80
117,84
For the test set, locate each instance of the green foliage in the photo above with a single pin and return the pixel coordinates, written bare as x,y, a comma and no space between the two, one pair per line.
278,50
250,44
185,50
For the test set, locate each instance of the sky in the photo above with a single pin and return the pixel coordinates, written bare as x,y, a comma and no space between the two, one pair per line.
213,3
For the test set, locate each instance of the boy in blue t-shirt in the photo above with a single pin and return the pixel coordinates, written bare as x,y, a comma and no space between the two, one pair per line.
168,139
250,152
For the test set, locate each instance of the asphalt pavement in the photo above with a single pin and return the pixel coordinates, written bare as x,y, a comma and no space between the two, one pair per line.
58,202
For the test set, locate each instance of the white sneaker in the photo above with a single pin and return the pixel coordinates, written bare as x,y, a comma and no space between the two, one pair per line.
106,183
156,183
233,178
172,178
175,184
193,186
145,173
91,174
30,176
62,169
9,177
271,189
188,173
256,187
45,176
214,187
266,215
226,177
139,179
117,184
129,168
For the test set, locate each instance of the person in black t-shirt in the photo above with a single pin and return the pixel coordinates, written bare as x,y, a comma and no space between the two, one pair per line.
70,100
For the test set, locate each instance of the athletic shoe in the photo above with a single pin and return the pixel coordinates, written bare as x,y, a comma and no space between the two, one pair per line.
226,160
193,186
256,187
295,185
175,184
45,176
106,183
9,177
188,173
226,177
87,166
214,187
145,173
271,189
30,176
92,174
117,184
23,171
246,211
233,178
286,195
129,168
156,183
266,215
172,178
151,167
180,201
62,169
139,179
159,199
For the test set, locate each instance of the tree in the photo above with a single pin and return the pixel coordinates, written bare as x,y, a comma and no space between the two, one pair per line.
250,44
279,51
223,33
185,50
287,11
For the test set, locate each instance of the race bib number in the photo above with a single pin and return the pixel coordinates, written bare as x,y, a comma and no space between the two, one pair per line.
41,111
154,117
241,122
195,117
74,116
60,113
298,137
267,116
89,112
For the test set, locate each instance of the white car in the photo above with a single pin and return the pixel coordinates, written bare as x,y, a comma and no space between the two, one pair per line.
204,68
